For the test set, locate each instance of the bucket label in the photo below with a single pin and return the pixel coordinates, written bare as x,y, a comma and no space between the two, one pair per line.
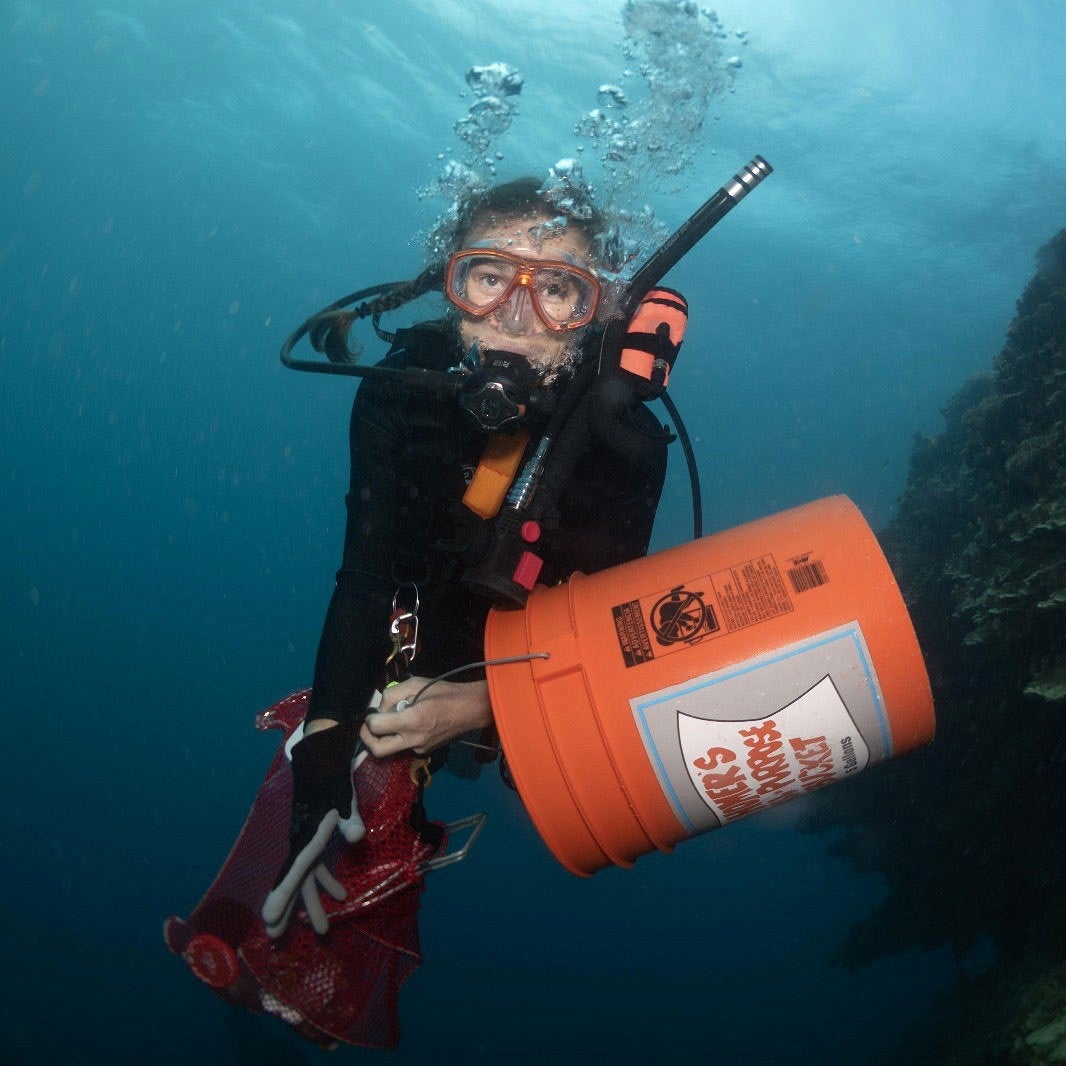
751,592
676,618
765,730
668,621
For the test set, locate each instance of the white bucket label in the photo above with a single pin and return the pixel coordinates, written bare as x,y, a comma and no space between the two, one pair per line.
765,730
741,767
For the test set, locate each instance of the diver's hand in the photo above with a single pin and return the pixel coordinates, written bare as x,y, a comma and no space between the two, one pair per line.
323,799
443,713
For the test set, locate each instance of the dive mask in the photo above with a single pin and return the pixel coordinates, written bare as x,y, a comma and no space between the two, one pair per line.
482,280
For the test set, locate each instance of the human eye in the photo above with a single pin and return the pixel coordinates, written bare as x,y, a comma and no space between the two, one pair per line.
489,277
555,285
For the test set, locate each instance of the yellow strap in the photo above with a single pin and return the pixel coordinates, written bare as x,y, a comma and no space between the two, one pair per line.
495,473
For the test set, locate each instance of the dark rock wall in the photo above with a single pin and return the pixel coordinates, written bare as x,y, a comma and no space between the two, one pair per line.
970,834
985,502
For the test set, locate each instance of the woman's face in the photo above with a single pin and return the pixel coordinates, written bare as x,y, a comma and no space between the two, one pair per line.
515,326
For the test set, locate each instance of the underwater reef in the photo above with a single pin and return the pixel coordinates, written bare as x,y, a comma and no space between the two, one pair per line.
968,834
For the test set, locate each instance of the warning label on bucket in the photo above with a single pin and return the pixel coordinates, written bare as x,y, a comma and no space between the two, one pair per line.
665,622
686,614
632,633
765,730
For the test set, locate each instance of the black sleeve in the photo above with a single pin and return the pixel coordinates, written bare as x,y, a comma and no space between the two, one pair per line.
607,515
386,533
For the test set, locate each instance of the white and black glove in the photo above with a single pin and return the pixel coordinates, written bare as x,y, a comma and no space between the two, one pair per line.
323,800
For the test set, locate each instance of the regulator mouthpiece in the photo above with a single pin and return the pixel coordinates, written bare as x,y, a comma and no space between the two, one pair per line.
498,394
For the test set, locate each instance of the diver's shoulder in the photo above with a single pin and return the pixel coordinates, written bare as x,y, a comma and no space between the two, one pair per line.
432,345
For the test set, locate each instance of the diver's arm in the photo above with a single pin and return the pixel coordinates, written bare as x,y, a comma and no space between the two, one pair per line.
355,635
608,513
446,710
351,656
351,651
628,513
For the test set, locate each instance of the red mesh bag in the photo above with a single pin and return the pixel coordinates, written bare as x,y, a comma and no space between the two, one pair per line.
344,986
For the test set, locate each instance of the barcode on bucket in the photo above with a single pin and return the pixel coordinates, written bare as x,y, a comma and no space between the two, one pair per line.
806,573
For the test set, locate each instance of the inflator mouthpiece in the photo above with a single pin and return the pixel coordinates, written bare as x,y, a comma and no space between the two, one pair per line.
653,339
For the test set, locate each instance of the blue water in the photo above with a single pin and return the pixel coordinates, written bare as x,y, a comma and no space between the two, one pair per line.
180,185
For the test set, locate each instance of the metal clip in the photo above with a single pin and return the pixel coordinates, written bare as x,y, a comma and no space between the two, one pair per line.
419,771
403,629
475,823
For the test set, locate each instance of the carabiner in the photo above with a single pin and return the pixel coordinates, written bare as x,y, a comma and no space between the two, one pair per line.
403,628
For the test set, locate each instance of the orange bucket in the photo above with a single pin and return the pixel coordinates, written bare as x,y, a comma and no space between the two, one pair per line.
707,682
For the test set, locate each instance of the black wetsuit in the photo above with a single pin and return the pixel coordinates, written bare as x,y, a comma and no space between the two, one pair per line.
412,455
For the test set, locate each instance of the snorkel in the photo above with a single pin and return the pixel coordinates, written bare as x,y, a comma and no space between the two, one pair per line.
615,383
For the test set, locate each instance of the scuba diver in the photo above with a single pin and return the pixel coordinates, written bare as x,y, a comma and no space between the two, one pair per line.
503,447
431,504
